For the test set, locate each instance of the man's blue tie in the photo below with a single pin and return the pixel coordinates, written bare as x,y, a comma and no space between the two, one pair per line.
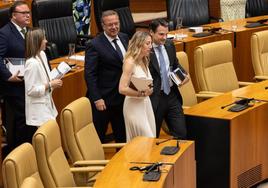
163,71
118,49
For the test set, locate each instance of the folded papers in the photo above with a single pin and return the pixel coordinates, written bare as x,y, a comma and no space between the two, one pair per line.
141,83
177,76
59,71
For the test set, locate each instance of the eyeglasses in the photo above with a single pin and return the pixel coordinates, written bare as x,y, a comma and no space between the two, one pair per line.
112,24
23,12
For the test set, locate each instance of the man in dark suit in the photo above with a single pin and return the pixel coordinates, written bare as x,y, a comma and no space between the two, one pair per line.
103,69
166,99
12,45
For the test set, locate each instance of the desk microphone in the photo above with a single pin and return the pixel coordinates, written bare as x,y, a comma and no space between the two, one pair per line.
169,150
242,101
163,141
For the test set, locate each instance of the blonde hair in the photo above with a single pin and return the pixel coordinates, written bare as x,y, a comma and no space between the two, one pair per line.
34,38
135,46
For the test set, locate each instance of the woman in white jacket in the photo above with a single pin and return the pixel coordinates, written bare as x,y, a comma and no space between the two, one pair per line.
38,83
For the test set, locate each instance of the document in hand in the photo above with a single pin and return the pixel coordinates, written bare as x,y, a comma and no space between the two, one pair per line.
15,64
141,83
177,76
59,71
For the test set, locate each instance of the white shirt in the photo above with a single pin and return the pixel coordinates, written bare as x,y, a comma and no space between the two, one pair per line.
165,55
120,44
19,29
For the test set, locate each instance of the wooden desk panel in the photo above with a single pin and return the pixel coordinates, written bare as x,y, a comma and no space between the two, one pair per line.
231,147
74,85
141,149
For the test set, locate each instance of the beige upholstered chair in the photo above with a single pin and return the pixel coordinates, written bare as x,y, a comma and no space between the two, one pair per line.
52,163
80,138
31,182
20,167
259,53
188,93
214,69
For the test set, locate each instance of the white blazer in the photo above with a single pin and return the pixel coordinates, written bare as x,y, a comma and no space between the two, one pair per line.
39,106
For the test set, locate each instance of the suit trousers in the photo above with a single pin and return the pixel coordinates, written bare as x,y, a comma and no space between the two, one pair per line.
15,123
113,114
170,110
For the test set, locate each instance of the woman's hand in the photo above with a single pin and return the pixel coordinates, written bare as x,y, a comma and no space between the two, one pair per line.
57,83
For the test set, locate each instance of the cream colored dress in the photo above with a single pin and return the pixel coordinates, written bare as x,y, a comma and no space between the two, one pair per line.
138,112
232,9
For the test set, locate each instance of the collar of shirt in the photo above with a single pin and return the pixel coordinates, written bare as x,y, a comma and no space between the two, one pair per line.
19,28
110,39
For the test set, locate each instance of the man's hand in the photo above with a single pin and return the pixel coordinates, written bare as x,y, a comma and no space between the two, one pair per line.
100,105
15,78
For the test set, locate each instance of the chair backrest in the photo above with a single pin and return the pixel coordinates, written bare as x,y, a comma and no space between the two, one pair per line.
58,23
193,12
187,90
4,16
122,8
78,132
259,52
256,8
20,165
52,163
214,69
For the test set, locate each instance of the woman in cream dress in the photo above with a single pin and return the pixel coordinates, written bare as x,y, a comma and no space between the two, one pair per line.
138,112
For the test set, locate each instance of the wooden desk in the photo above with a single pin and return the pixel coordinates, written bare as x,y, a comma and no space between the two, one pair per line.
141,149
74,85
4,4
190,43
231,147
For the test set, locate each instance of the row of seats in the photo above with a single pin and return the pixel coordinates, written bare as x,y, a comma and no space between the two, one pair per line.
44,163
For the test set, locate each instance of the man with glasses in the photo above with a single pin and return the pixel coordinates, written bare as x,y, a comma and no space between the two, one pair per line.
103,69
12,45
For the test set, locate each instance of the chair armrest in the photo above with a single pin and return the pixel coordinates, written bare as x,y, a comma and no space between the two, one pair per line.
244,83
141,25
185,107
115,145
90,162
207,94
86,169
261,77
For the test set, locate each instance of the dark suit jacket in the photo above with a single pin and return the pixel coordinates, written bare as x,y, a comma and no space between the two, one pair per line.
155,72
12,44
103,69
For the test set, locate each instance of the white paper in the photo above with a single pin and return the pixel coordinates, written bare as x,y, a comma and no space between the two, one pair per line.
15,64
170,36
15,68
60,71
142,83
175,78
77,57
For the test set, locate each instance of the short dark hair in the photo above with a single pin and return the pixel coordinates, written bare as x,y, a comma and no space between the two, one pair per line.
156,23
14,6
